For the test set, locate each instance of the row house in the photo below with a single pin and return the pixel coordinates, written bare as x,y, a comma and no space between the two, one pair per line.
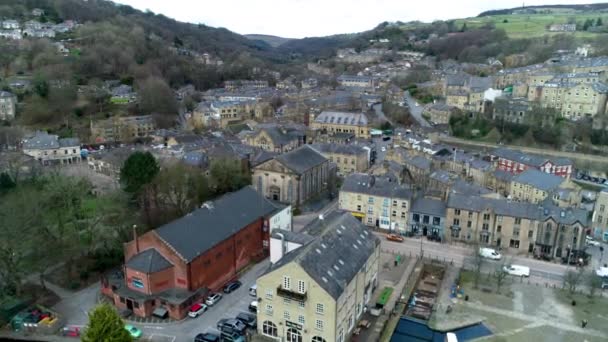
599,219
517,162
535,186
348,158
49,148
427,218
521,228
571,100
123,128
376,201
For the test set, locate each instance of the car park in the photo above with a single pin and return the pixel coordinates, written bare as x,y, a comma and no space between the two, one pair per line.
197,310
231,286
248,319
133,331
213,299
230,335
489,253
207,337
231,323
517,270
253,307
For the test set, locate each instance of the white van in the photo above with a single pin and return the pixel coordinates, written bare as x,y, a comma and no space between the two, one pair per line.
253,290
451,337
489,253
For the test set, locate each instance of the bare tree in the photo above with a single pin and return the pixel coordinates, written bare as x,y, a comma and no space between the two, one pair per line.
478,262
594,282
500,275
572,280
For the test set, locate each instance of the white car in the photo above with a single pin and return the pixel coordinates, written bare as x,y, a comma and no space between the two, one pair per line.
197,310
590,241
489,253
383,149
517,270
213,298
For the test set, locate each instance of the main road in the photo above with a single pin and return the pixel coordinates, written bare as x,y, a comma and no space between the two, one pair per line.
415,109
461,255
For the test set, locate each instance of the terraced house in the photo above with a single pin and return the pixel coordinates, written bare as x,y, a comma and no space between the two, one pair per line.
572,100
318,291
519,227
376,201
348,158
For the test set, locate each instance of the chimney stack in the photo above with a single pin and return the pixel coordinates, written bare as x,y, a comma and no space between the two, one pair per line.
135,239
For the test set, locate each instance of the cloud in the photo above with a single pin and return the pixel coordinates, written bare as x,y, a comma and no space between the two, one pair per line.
310,18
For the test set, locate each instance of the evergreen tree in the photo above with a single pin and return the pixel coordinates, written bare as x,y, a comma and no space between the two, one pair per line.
464,27
139,169
6,182
105,325
599,22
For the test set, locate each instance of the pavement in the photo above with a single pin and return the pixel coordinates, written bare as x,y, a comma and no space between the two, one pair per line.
415,110
540,271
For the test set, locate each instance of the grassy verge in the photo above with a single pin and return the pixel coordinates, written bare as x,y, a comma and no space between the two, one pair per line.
594,310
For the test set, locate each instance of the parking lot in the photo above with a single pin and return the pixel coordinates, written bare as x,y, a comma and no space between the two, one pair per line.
228,307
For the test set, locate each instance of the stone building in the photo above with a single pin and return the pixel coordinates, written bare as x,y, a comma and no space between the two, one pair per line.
341,122
8,105
123,129
293,177
49,149
276,138
348,158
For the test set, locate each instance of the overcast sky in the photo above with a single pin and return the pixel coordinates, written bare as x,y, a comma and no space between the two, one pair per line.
312,18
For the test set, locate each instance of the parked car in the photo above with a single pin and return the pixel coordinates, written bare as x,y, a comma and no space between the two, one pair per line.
231,335
207,337
517,270
253,307
197,310
591,241
248,319
383,149
489,253
213,298
253,290
231,323
70,331
231,286
394,237
134,331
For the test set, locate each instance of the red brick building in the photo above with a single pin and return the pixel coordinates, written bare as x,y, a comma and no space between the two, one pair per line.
517,162
177,264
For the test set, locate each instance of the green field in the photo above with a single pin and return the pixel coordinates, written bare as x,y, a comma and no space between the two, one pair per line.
532,25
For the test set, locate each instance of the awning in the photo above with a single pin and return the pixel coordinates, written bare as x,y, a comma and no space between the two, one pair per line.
358,214
160,312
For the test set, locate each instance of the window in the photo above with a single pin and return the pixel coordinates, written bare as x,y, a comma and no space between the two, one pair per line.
269,329
301,319
530,233
394,203
416,217
301,286
457,212
498,229
286,315
318,339
370,200
485,226
293,335
469,223
403,214
486,217
470,214
394,213
370,210
351,322
301,304
286,283
269,309
269,294
403,204
514,243
358,197
600,219
602,207
359,208
137,283
370,220
456,222
136,305
319,324
341,335
286,301
320,308
515,231
518,220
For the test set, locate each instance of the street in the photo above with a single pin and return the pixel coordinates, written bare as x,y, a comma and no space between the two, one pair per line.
539,270
415,110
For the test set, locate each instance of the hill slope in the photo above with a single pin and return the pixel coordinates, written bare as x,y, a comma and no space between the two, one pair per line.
273,41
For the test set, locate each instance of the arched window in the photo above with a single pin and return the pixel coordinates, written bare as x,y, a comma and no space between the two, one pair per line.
293,335
318,339
270,329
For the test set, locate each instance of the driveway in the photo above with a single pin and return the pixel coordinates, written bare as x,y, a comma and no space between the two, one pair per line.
415,110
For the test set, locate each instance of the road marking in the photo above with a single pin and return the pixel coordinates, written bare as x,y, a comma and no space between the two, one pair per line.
153,327
169,337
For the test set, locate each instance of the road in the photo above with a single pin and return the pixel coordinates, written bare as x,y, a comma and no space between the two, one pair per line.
539,270
415,110
380,114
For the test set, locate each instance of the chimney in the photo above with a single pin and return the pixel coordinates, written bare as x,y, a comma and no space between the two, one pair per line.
136,239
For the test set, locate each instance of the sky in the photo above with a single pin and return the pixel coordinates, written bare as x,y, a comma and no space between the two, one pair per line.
314,18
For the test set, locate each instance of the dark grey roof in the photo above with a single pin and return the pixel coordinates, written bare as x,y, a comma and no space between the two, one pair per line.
429,206
362,183
503,175
261,156
196,158
339,149
441,176
69,142
6,94
148,261
528,159
42,140
197,232
471,189
539,180
342,118
299,238
341,247
281,135
301,159
419,162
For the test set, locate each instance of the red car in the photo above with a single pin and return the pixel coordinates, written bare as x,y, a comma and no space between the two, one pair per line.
70,331
394,237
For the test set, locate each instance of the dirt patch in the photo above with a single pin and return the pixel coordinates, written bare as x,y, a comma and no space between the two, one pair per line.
82,272
553,309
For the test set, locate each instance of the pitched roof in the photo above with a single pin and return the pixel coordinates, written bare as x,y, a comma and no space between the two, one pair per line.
429,206
42,140
539,180
362,183
340,248
148,261
301,159
528,159
342,118
339,149
289,236
200,230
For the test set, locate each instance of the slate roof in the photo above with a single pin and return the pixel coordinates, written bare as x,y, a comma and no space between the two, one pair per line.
463,187
148,261
429,206
6,94
539,180
363,183
342,118
200,230
441,176
341,247
419,162
42,140
281,135
339,149
301,159
528,159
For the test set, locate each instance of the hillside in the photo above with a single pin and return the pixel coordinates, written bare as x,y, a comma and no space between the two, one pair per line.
273,41
544,9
